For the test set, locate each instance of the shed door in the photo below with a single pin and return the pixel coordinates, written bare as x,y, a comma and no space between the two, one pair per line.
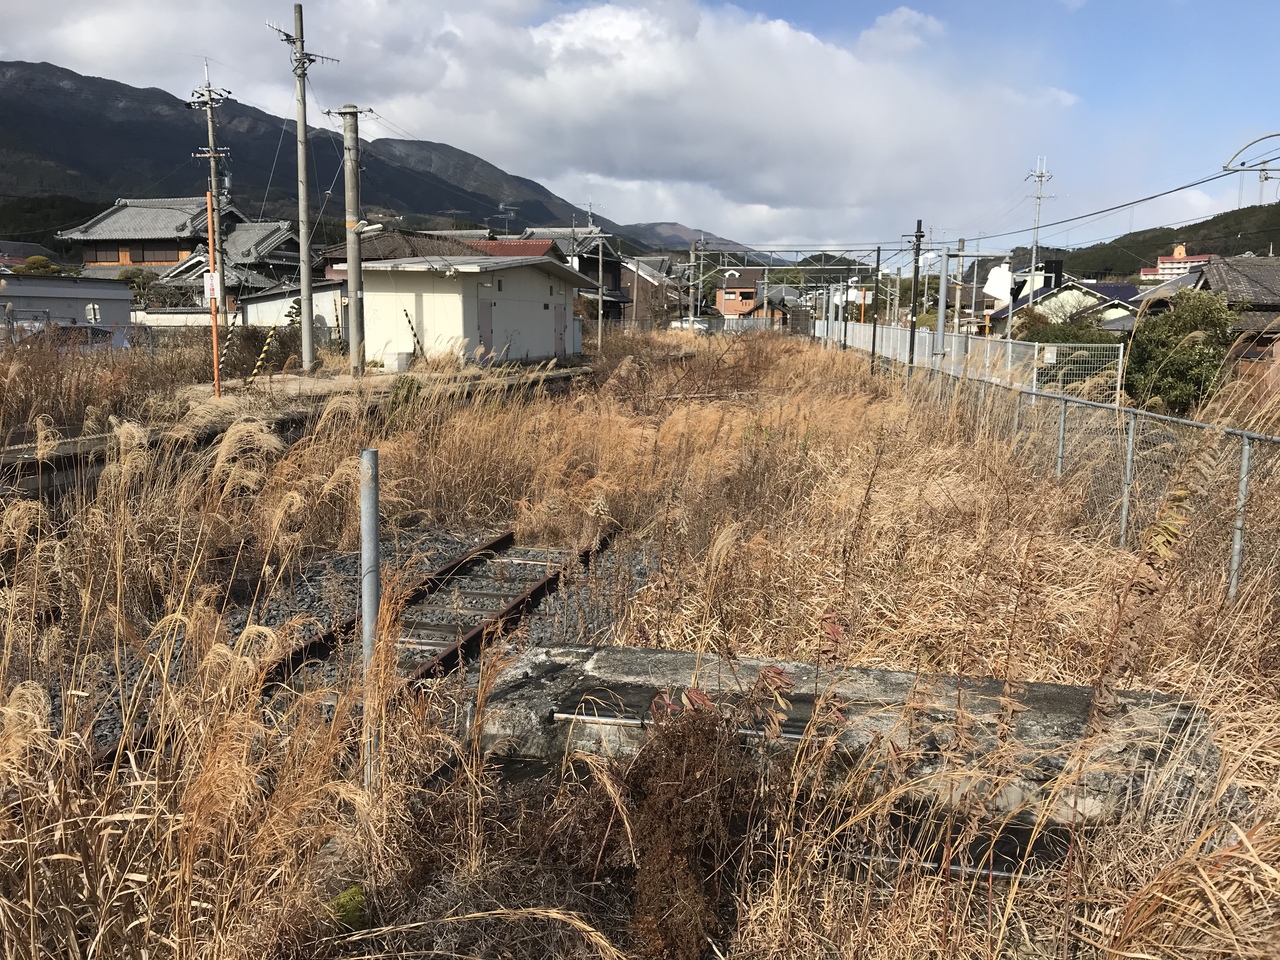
484,317
562,324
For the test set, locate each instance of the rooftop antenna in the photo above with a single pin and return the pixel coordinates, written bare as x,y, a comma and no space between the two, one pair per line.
301,63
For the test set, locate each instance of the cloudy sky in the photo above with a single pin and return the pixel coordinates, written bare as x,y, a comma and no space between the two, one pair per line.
787,121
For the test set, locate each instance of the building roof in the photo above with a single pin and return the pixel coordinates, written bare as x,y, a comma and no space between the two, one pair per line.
1163,291
1258,321
1106,293
747,279
516,248
1254,281
15,252
291,288
478,264
401,245
257,241
164,219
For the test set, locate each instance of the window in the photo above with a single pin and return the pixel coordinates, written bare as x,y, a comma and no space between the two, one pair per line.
747,295
546,306
551,290
499,284
730,295
102,253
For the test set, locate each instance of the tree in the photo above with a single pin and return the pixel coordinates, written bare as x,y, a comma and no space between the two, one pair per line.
148,291
1178,359
38,267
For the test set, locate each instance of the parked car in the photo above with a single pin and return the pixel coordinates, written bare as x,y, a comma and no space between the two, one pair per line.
690,323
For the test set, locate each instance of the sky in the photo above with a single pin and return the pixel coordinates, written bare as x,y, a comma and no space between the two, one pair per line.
771,122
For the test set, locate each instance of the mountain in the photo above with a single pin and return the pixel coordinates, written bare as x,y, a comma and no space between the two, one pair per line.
667,235
94,139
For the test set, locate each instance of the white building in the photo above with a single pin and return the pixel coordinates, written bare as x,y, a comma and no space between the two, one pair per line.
30,303
504,308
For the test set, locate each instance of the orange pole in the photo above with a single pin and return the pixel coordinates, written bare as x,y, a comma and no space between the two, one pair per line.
213,301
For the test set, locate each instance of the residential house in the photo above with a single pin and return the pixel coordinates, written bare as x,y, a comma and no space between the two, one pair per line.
1251,286
737,291
498,308
163,235
1072,301
395,245
657,286
15,254
278,305
98,307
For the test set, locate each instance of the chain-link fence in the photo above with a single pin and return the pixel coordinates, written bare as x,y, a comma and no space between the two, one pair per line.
1143,478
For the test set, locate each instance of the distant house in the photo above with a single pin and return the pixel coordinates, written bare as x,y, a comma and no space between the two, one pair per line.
276,306
515,247
169,236
737,291
1180,264
502,308
30,304
778,303
16,254
1251,286
1073,301
657,287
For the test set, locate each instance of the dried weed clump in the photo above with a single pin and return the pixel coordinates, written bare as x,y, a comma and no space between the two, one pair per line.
783,502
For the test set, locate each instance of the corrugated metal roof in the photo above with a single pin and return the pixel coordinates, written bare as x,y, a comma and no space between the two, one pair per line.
479,264
515,248
399,245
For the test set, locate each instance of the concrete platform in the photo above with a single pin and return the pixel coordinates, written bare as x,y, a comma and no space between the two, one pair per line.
948,742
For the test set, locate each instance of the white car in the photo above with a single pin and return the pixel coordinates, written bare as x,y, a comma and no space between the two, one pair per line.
690,323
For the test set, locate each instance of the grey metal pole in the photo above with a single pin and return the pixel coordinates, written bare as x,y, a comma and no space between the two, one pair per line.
355,277
1242,501
875,311
370,587
1128,476
1062,435
600,294
915,286
940,341
1120,375
307,316
960,284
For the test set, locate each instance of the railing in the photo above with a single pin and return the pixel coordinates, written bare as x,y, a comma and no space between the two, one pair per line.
1143,475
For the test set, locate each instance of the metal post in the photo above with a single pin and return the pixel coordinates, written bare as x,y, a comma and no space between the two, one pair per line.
370,588
915,284
213,304
306,316
216,254
875,311
1120,375
355,277
600,294
1242,501
1062,435
1008,361
960,283
1128,476
940,326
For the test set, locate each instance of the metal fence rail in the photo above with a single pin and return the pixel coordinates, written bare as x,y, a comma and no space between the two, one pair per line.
1218,486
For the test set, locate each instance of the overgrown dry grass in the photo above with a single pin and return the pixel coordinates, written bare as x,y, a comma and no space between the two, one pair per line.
789,505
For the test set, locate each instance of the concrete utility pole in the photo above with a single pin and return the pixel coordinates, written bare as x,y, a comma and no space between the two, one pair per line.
959,283
693,281
940,325
1040,175
301,62
875,310
600,293
206,98
355,278
915,285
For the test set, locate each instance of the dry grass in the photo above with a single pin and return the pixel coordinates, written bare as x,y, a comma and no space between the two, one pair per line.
790,504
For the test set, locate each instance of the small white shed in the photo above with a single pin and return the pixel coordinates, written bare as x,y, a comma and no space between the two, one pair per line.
33,302
503,308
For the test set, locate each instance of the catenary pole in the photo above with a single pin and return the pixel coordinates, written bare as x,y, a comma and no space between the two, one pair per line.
915,285
875,311
213,303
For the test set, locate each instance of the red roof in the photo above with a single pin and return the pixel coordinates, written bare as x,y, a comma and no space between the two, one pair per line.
513,248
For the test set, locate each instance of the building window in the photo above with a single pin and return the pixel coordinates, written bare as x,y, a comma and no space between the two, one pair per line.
730,295
748,295
499,284
551,291
546,306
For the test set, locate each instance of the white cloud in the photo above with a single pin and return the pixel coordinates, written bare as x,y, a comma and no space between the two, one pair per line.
737,123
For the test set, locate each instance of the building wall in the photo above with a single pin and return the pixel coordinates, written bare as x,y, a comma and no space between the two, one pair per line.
132,255
444,312
64,299
326,306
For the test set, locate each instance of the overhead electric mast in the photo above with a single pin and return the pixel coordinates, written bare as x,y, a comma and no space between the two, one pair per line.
301,62
1040,175
206,98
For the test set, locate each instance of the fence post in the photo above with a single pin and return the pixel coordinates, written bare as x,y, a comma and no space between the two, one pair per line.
370,591
1242,501
1062,435
1128,476
1008,361
1120,374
